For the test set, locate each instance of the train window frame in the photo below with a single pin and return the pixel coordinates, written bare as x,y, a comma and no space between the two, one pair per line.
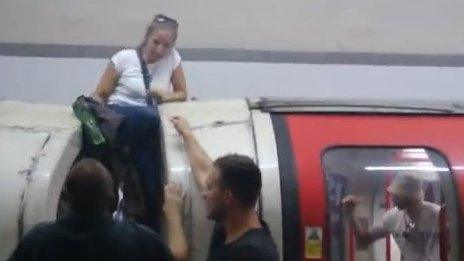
447,184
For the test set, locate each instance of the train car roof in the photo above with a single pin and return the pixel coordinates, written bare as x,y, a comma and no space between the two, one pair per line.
298,105
38,144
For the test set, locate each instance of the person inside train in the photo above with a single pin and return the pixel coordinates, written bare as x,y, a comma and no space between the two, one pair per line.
133,84
230,188
413,222
88,231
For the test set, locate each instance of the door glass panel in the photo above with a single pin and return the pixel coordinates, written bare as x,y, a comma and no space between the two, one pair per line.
403,203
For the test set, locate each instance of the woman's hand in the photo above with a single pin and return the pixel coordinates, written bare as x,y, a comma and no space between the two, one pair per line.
349,204
165,96
179,87
159,95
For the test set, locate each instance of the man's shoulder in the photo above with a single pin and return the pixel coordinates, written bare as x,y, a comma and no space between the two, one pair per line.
259,244
40,234
148,242
258,235
255,251
430,210
43,229
431,207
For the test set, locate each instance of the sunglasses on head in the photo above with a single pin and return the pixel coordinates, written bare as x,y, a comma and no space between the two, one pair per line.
165,19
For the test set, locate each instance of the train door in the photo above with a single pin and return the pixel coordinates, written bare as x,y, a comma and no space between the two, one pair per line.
366,172
323,158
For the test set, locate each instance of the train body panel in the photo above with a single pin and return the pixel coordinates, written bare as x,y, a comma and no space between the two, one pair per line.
311,156
38,144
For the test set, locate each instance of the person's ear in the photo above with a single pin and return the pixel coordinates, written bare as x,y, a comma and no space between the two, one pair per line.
228,196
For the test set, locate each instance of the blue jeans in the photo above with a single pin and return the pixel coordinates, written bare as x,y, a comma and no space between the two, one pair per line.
140,131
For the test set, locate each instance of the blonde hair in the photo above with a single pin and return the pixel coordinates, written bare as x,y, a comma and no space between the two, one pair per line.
160,22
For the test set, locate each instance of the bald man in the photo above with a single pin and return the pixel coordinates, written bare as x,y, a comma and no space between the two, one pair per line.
88,231
413,222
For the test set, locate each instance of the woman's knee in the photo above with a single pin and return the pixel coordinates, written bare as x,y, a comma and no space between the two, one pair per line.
150,118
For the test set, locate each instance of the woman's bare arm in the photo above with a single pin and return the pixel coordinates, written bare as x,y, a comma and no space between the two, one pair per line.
107,84
179,85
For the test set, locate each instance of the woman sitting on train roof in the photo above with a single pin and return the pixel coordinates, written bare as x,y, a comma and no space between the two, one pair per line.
133,84
122,82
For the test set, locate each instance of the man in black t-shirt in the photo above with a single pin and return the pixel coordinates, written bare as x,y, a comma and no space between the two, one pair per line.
88,232
230,187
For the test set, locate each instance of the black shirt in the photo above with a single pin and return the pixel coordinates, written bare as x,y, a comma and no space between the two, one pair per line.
83,238
254,245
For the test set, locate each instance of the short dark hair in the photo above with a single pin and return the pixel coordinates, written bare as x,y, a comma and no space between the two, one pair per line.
242,176
88,187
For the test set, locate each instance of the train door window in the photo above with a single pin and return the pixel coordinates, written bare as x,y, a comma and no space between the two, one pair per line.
390,204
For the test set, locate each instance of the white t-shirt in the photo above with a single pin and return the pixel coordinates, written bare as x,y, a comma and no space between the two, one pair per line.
418,240
130,89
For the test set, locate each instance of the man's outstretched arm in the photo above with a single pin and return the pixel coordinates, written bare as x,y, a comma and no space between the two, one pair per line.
200,162
363,235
